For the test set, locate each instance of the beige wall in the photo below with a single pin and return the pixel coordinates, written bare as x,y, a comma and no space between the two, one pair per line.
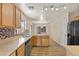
58,29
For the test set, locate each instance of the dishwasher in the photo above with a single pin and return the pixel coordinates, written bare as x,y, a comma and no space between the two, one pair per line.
27,48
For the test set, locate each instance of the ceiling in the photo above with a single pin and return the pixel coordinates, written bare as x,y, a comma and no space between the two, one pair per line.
49,15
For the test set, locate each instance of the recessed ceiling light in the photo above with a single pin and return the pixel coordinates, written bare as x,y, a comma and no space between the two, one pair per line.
65,7
56,9
46,9
52,8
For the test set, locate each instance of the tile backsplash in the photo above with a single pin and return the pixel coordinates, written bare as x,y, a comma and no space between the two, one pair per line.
6,32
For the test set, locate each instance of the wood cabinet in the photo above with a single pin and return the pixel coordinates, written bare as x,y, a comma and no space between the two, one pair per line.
8,15
40,41
36,41
0,13
45,41
11,16
18,17
32,42
76,18
21,50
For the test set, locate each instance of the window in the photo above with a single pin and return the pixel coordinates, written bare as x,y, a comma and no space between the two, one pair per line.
41,30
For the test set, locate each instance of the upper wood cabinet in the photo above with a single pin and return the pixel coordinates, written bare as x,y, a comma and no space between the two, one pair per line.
0,13
18,14
11,16
8,15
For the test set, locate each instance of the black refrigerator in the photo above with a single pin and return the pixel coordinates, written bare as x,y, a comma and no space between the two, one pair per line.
73,33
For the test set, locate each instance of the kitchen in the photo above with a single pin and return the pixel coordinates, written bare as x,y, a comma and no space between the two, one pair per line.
13,23
15,34
28,29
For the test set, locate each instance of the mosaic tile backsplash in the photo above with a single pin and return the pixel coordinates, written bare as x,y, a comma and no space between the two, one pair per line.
6,32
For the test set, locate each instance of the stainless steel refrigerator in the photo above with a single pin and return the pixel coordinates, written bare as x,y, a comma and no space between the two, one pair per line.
73,33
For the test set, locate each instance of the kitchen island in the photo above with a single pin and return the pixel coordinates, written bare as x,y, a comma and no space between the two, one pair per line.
40,40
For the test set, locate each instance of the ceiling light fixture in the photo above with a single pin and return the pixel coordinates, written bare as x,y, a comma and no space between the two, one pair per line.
52,8
56,9
46,9
65,7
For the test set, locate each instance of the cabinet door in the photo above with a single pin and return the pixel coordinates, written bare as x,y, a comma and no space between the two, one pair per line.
0,13
45,41
38,41
17,18
21,50
33,41
8,15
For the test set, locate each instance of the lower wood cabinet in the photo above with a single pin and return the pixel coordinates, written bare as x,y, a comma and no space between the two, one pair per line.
39,41
45,41
33,41
21,50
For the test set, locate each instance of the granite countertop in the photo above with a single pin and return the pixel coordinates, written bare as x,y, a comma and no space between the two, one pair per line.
9,45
